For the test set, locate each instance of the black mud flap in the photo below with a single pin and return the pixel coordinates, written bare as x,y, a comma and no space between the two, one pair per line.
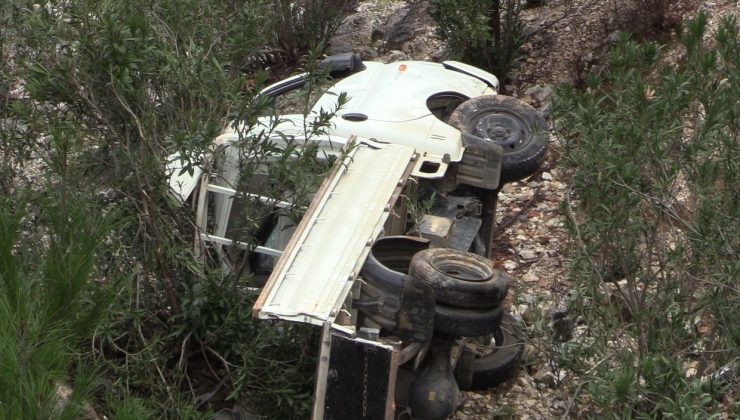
358,378
481,163
342,64
415,318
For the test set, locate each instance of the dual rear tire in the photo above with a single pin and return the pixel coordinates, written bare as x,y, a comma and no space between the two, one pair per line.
470,294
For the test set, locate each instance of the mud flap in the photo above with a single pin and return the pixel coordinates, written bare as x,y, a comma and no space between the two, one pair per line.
481,163
416,316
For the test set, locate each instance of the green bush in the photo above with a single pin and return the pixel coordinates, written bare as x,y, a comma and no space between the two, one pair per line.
305,25
112,88
655,157
486,33
51,300
14,145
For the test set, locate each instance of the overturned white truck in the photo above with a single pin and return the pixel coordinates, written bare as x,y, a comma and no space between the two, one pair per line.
407,320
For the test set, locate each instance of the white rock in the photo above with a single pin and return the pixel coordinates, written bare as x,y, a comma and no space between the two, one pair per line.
554,222
557,185
527,298
508,188
546,377
528,254
523,381
530,277
534,89
692,369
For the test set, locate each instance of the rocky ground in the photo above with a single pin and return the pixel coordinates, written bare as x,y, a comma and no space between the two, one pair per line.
567,38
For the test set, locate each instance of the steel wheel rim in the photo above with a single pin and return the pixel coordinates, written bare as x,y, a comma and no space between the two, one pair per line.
506,129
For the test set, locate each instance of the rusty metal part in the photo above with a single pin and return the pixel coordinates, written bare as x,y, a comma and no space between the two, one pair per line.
415,319
481,163
435,394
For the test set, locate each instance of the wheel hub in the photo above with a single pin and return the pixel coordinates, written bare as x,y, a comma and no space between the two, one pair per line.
507,130
461,267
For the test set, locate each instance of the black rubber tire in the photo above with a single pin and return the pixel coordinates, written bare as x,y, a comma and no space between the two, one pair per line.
515,125
384,272
460,322
460,278
494,368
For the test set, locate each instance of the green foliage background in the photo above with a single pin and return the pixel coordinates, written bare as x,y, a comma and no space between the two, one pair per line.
485,33
100,289
98,285
641,136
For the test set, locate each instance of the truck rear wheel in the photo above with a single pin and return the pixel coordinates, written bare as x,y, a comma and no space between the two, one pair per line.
459,322
459,278
487,362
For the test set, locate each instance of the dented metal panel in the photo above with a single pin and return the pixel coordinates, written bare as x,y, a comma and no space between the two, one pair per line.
316,271
182,179
479,74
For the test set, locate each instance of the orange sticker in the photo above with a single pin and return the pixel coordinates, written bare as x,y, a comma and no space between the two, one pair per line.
402,67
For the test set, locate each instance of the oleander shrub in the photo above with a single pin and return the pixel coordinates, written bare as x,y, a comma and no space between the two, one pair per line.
108,91
306,25
653,217
485,33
